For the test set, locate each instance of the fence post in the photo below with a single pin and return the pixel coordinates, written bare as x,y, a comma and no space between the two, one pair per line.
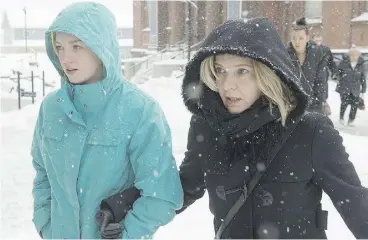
32,88
19,105
43,82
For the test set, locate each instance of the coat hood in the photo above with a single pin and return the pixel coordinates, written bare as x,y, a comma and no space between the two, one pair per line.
256,39
95,25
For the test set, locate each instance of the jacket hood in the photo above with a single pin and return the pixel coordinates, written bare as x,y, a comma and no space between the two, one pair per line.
95,25
256,39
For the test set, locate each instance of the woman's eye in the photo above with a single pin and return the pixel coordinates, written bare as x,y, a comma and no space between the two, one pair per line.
219,70
58,48
243,71
76,47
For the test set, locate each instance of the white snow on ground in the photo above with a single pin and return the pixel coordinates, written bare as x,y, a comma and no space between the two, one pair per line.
194,223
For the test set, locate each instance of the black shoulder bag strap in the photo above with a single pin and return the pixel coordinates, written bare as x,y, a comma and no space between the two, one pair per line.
253,182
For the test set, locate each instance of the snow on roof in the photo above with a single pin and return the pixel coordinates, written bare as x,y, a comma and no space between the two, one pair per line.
361,18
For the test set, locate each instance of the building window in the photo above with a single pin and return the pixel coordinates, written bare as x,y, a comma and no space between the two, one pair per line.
234,9
313,9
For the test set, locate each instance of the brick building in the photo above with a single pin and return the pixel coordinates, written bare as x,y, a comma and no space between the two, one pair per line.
158,23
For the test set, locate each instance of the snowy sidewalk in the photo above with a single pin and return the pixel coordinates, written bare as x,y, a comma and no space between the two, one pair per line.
196,222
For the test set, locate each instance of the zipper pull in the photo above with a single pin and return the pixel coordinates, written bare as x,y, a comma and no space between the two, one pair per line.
73,90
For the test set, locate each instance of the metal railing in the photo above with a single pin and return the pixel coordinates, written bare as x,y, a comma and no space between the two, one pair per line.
183,53
26,92
157,56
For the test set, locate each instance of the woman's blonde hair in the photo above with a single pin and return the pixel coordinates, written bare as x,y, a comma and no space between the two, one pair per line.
52,36
268,83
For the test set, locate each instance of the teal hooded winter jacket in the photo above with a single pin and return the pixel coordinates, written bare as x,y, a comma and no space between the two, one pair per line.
93,141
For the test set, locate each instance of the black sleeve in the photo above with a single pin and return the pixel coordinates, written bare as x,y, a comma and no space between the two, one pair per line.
191,170
363,81
336,175
119,204
340,69
320,87
331,62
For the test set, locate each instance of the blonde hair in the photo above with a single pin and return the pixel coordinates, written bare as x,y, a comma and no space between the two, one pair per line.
354,50
53,35
268,83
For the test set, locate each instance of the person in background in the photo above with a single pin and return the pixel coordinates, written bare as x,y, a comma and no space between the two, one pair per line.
331,65
101,147
262,160
351,83
310,63
318,39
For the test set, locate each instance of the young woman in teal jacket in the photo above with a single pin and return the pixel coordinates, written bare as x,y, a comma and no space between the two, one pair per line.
97,138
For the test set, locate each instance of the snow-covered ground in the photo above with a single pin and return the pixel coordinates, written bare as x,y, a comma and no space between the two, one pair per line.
196,222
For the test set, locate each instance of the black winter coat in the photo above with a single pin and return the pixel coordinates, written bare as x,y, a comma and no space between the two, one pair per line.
313,73
329,58
224,151
351,80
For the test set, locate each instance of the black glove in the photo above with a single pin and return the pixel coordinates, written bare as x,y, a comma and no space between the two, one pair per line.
105,224
113,210
119,204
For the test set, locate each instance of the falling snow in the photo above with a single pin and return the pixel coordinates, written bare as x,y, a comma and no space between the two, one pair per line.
261,167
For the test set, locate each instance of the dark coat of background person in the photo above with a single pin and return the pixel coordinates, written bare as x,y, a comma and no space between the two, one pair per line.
313,73
286,202
351,81
329,58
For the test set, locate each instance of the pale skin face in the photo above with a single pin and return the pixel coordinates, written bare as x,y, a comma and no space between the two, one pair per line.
79,63
354,55
318,40
299,39
236,82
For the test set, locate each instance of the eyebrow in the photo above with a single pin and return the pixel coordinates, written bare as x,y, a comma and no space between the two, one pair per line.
70,42
238,65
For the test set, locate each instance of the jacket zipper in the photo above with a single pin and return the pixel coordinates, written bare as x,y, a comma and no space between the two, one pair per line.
73,90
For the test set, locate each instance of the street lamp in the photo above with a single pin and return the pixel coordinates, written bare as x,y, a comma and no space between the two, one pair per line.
25,27
189,25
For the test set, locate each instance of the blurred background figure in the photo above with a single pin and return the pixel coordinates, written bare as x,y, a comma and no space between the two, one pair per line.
332,67
352,83
308,59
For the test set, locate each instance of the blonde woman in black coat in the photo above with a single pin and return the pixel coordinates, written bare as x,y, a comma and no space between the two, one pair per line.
251,145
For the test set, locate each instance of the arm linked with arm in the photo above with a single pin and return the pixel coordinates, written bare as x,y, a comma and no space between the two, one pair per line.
156,175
